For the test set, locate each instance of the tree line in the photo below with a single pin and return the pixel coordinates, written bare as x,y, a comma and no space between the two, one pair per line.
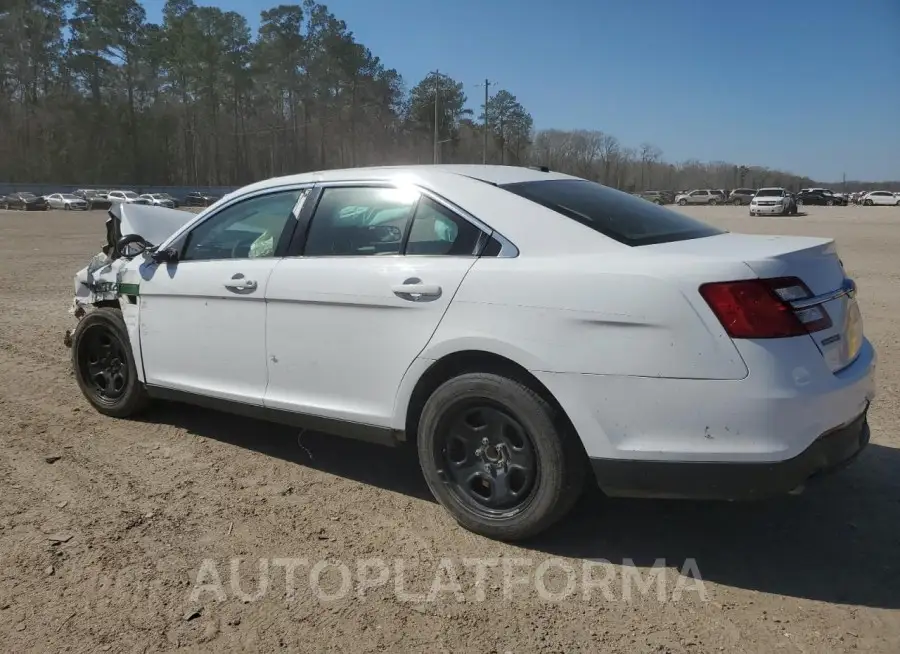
93,93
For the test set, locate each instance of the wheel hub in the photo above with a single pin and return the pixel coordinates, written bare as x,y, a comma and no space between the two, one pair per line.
488,459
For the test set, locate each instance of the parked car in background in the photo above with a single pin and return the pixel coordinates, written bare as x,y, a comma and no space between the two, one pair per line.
817,198
773,201
741,196
883,198
838,199
85,192
26,201
129,197
96,199
67,202
701,196
159,200
199,199
3,202
658,197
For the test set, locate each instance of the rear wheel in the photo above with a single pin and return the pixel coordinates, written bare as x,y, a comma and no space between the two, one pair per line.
713,202
737,202
104,364
497,456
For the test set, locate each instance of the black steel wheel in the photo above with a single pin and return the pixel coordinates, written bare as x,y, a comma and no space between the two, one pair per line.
498,456
104,364
486,458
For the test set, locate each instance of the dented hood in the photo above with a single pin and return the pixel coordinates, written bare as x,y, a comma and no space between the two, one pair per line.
154,224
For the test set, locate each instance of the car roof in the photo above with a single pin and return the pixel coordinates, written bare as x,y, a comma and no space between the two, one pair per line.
491,174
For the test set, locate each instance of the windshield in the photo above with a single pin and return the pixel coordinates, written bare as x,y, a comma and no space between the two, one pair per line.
615,214
27,195
68,196
770,193
129,194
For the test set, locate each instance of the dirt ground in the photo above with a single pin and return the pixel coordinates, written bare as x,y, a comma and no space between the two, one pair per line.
105,524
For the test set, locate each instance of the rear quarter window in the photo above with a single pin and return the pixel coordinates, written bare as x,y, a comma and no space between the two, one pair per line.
620,216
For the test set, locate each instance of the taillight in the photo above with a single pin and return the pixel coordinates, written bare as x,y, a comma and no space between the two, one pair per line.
761,308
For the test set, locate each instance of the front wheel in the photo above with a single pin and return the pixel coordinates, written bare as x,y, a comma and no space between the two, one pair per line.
736,202
868,203
682,202
497,456
829,203
104,364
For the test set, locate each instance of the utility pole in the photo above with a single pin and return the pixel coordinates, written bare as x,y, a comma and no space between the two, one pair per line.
437,91
487,86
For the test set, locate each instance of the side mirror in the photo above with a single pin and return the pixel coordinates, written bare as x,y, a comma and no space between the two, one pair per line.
169,255
131,246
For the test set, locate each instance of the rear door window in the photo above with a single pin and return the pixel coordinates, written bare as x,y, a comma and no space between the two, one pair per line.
620,216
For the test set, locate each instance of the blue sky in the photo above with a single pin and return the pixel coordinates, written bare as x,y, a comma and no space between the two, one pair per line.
811,86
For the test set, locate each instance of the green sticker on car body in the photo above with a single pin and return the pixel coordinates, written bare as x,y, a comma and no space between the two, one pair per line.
129,289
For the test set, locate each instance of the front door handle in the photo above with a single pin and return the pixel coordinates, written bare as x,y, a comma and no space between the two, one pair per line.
414,290
239,284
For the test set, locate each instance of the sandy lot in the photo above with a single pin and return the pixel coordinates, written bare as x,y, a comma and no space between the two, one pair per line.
100,549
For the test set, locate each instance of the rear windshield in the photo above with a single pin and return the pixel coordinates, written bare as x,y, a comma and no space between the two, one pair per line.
620,216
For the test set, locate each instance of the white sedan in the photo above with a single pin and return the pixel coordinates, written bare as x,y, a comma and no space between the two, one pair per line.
526,330
884,198
67,201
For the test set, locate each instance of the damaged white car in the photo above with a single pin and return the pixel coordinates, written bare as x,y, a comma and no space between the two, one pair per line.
527,330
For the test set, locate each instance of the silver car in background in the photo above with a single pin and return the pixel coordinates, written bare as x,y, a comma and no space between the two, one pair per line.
701,196
67,201
159,200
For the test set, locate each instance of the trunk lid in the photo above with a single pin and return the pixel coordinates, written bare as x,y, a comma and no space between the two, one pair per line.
812,260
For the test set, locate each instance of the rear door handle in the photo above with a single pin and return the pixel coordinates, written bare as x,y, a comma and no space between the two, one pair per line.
413,290
239,284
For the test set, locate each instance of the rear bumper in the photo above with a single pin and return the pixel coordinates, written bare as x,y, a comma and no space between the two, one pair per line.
733,481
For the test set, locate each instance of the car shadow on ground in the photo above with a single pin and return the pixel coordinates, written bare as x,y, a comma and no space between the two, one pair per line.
838,542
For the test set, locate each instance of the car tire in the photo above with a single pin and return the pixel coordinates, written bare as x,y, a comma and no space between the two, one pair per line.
713,202
829,203
520,470
737,202
868,203
682,202
104,364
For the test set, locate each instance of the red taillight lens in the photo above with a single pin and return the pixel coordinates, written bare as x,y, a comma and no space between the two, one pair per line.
760,308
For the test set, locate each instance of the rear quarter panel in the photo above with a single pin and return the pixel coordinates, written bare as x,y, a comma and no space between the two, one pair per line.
609,314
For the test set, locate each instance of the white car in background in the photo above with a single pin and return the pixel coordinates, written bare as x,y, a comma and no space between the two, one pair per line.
884,198
772,201
127,197
525,330
67,202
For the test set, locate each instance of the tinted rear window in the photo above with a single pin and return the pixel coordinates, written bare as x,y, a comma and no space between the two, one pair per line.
620,216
